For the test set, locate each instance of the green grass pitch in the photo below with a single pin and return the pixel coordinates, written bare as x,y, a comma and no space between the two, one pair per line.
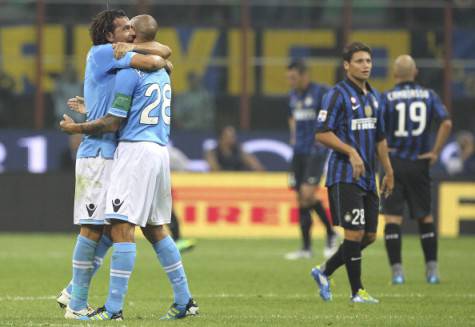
242,283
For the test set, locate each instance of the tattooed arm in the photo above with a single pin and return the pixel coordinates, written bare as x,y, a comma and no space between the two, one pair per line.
106,124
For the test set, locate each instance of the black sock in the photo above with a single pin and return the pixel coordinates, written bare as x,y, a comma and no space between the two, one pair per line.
393,241
428,241
352,258
305,226
174,227
336,260
323,217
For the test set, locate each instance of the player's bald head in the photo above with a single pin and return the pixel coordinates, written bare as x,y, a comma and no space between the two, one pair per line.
405,68
145,26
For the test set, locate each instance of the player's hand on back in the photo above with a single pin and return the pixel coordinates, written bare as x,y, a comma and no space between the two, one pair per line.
121,48
387,185
431,156
77,104
67,124
357,164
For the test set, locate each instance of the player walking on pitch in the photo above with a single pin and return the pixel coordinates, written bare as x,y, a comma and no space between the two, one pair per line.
305,99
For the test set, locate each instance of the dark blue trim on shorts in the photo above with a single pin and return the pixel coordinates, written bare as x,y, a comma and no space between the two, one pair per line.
117,216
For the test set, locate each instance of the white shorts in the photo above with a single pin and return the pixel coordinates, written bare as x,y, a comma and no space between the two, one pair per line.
140,190
92,182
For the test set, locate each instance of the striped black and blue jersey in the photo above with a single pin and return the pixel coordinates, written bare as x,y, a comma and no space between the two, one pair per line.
356,119
304,107
409,110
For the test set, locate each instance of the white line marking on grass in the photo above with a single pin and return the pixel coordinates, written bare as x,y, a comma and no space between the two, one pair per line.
27,298
303,296
268,295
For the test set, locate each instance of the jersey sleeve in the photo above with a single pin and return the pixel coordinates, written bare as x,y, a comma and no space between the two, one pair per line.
104,57
329,115
125,83
289,106
324,89
440,111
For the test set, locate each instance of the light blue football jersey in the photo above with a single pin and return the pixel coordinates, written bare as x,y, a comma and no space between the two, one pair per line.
101,69
144,99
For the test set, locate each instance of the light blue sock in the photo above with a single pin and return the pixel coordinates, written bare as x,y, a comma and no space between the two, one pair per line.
104,244
122,264
83,257
170,259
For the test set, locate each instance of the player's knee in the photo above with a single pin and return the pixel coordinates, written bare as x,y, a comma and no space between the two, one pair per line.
122,231
306,196
354,235
426,219
305,201
154,234
369,239
392,219
92,232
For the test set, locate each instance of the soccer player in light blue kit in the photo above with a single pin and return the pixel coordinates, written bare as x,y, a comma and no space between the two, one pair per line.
95,154
140,190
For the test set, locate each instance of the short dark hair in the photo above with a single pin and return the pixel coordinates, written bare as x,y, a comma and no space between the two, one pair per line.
102,24
146,27
353,47
299,65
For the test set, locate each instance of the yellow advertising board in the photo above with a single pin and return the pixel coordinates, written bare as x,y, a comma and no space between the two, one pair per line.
456,204
236,205
262,205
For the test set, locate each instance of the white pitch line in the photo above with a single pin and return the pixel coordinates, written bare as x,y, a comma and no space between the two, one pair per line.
303,296
26,298
268,295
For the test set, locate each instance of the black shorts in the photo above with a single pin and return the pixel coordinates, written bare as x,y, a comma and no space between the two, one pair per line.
354,208
411,186
307,169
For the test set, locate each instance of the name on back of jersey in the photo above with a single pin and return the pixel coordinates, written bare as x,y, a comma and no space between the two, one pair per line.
408,94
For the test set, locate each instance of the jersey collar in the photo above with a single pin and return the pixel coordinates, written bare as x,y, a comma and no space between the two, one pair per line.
406,83
357,89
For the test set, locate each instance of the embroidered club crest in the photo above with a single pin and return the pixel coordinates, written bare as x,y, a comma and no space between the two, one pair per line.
308,101
368,111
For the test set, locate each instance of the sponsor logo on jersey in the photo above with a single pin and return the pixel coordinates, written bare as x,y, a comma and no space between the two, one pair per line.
354,104
304,114
363,123
116,204
91,207
375,101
